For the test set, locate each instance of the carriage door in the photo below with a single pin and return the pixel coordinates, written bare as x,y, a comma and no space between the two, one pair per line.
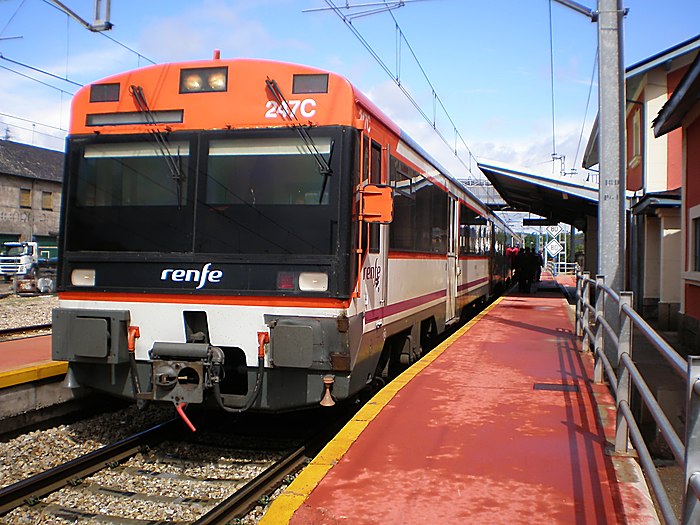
374,271
452,262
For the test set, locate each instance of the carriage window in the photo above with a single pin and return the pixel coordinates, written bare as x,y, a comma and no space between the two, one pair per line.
474,234
420,211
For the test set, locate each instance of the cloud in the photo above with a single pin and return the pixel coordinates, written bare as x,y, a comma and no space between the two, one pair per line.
214,24
528,147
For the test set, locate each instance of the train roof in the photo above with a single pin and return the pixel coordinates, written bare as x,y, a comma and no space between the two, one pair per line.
153,78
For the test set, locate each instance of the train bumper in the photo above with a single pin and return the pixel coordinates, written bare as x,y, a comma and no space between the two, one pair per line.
96,345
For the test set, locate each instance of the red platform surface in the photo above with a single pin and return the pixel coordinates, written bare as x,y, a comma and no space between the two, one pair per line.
27,360
504,426
20,353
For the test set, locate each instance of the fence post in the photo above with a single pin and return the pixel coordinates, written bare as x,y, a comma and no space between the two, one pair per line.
579,330
691,506
586,344
599,344
624,385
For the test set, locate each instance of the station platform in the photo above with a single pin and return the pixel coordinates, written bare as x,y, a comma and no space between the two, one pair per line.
27,360
499,424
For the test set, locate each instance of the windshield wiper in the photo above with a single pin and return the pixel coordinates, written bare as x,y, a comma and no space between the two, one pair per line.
324,166
174,166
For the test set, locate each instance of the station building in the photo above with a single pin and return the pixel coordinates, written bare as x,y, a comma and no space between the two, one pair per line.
681,114
653,178
30,193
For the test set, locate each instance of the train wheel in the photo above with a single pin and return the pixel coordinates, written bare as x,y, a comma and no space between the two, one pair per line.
400,355
428,335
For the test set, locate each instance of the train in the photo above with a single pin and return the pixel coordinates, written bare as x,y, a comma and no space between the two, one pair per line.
256,235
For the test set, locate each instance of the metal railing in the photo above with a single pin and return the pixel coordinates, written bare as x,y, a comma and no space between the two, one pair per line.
593,323
555,268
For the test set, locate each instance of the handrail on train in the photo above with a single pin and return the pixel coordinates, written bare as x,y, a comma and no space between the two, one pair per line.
611,314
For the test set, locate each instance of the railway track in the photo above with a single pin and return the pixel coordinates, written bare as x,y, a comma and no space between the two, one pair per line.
161,478
7,334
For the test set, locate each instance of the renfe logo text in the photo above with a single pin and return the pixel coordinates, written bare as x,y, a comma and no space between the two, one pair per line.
202,276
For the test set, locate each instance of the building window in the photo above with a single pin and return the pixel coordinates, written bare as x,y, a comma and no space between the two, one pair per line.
636,134
696,245
46,200
25,198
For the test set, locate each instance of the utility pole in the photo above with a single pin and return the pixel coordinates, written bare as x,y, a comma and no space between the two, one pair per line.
612,210
612,213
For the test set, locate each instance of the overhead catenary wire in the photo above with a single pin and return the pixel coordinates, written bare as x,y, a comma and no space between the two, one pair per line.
36,80
12,17
33,131
551,78
32,121
588,101
105,35
39,70
407,94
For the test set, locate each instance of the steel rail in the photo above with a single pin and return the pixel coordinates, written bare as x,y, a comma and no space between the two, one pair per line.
19,330
242,501
39,485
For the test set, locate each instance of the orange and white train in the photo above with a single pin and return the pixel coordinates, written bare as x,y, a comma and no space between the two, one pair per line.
256,235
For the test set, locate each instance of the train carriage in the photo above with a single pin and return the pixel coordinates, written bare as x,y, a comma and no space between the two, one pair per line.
256,235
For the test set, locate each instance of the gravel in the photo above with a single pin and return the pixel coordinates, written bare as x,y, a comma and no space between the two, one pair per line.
204,473
16,311
31,453
179,472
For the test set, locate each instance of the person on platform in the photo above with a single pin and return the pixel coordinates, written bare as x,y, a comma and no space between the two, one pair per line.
524,270
539,265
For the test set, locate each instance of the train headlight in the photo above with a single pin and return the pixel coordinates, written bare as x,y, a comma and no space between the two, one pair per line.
82,277
313,282
217,81
192,82
204,79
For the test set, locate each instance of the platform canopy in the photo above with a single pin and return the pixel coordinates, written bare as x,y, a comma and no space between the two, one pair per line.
555,199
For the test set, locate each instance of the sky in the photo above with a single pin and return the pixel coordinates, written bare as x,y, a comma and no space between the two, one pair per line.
489,63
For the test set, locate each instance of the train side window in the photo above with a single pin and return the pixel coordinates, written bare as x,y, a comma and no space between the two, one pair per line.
401,235
468,231
365,159
375,173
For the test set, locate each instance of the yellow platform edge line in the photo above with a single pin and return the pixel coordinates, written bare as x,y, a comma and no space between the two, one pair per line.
32,373
294,496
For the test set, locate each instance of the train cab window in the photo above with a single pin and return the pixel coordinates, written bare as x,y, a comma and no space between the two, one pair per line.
264,196
306,84
365,159
130,196
133,174
375,177
375,172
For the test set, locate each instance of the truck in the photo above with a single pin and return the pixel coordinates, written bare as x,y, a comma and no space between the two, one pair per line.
31,273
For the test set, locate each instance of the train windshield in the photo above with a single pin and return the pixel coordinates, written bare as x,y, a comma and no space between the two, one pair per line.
264,196
222,195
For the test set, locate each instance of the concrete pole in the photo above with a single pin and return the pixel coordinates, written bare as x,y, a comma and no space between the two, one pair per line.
612,181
